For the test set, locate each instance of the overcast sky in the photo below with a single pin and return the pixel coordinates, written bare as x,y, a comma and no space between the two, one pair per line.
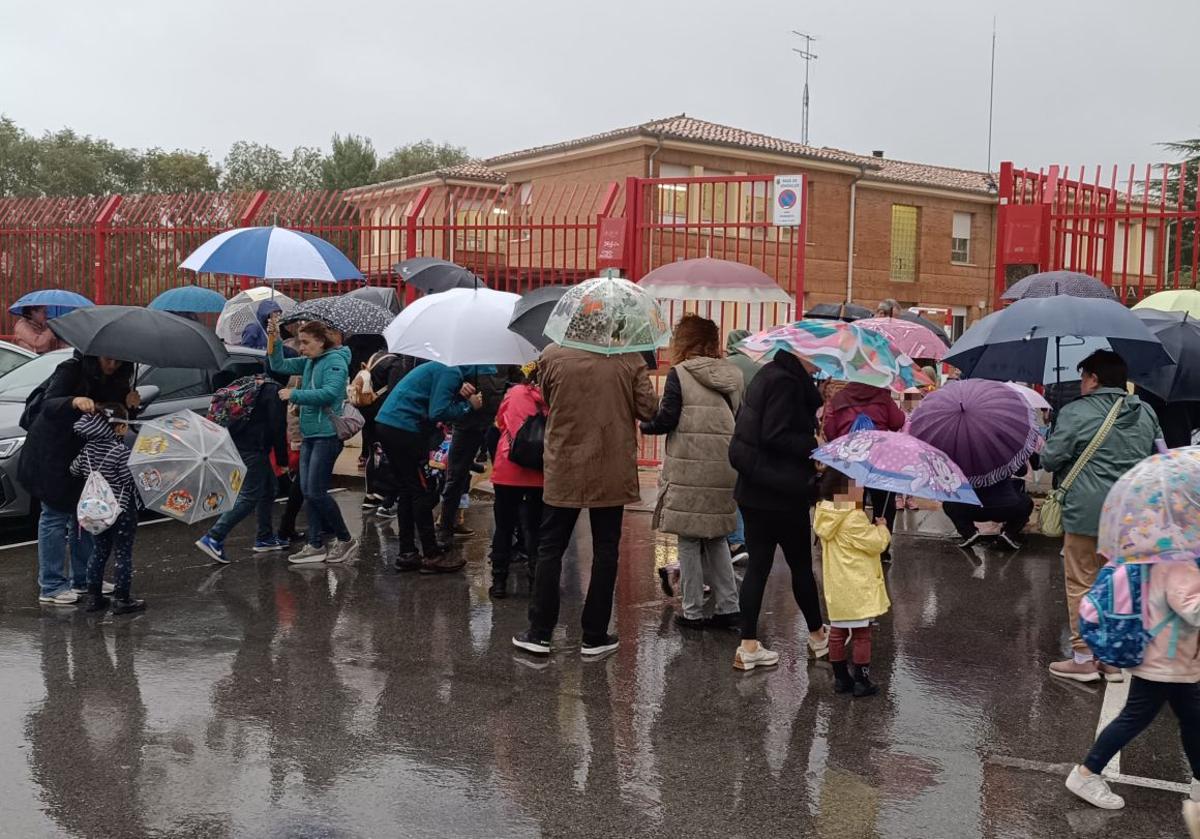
1077,82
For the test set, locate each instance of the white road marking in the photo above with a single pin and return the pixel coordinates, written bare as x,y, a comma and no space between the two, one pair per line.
1061,770
1115,694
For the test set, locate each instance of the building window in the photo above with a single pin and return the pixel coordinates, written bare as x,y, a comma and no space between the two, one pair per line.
1128,240
960,238
904,243
673,198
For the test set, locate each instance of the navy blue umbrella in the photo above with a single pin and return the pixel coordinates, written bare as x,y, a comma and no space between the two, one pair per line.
1180,334
1028,341
1052,283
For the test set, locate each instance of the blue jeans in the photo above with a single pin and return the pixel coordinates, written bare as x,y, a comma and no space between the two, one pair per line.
317,456
58,530
738,537
257,493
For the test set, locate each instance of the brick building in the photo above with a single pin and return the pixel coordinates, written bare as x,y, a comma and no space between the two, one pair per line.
876,227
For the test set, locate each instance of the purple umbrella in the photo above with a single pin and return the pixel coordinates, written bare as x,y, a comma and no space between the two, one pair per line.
985,427
1054,283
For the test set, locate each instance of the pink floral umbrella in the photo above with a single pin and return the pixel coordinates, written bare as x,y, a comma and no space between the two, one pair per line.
913,339
895,462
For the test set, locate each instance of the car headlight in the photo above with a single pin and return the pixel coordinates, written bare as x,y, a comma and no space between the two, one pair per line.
10,446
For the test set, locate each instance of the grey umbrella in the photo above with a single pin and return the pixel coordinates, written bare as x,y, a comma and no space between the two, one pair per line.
348,315
839,311
1051,283
383,296
1180,335
145,336
435,275
533,310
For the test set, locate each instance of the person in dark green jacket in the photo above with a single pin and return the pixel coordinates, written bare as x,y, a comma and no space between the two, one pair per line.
738,359
1132,439
324,368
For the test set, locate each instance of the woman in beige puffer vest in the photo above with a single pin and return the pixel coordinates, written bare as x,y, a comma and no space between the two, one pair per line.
695,501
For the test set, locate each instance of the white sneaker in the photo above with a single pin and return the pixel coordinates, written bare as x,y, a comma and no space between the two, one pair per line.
1195,791
340,551
762,657
1191,818
820,649
307,554
63,598
1094,790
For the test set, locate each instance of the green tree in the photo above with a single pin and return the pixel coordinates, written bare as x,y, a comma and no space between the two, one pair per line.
414,158
305,168
178,171
351,162
71,164
1183,232
18,160
254,166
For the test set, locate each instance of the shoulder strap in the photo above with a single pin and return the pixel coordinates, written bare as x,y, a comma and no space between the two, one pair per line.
1094,445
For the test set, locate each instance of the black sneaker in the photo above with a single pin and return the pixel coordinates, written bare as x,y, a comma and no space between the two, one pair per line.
689,623
499,586
1011,541
531,643
124,606
664,579
599,646
96,602
371,501
408,561
970,540
730,620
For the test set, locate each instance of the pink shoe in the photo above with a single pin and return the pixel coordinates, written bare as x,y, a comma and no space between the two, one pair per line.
1071,669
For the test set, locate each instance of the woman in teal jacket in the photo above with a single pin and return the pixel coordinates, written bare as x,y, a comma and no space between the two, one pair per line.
324,369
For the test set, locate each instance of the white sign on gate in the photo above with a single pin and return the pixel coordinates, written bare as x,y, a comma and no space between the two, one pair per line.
788,205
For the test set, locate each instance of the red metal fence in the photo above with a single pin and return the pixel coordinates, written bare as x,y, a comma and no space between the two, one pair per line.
1134,229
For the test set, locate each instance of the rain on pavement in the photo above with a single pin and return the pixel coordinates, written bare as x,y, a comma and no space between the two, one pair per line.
260,699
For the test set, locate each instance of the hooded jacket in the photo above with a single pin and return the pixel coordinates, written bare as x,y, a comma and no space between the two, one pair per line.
745,364
519,404
1173,587
851,569
1131,440
254,335
695,490
322,387
104,452
856,398
428,394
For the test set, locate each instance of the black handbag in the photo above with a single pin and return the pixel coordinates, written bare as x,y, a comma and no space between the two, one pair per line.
528,447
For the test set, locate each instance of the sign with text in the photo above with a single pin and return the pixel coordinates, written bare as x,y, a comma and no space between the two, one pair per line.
787,209
610,243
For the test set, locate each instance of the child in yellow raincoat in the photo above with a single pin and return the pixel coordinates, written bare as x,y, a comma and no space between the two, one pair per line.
855,593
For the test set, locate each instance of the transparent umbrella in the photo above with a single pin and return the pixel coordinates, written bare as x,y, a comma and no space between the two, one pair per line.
186,466
608,315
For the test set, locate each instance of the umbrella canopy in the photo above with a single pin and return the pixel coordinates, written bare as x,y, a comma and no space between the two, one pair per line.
1052,283
272,253
1023,341
913,317
912,339
460,326
1032,398
840,351
433,276
1180,336
895,462
242,309
383,296
145,336
987,428
186,466
348,315
713,279
1152,512
56,300
533,311
1178,300
838,311
189,298
608,315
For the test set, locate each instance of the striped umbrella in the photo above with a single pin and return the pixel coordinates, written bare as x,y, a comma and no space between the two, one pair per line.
272,253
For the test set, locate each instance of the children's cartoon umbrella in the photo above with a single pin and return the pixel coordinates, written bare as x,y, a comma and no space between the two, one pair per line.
913,339
186,466
608,315
840,351
1152,512
895,462
57,301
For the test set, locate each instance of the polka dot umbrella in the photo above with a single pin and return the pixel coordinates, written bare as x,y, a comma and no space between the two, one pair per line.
895,462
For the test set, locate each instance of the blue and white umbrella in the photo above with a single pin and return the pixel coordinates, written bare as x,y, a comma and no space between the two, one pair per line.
57,301
272,253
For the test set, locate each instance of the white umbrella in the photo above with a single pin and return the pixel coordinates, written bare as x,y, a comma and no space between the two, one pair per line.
242,309
1034,399
460,326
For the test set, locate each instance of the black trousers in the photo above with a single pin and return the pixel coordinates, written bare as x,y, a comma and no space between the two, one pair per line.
1146,699
766,530
295,503
1014,515
464,445
407,451
518,510
558,523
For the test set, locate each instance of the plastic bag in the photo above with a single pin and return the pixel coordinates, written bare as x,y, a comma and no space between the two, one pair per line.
98,509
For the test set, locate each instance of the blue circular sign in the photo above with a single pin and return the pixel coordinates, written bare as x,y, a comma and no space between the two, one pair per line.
787,198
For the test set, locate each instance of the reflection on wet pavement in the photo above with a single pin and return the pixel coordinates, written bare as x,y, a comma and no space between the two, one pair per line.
266,700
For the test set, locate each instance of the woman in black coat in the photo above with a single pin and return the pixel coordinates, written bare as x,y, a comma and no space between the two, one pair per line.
78,386
771,451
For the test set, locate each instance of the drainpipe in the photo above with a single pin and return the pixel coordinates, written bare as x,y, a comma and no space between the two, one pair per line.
862,173
650,174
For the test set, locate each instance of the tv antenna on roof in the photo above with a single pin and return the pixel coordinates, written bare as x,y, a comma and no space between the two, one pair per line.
809,56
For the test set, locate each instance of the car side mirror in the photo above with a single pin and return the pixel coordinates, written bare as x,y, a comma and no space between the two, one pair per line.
148,393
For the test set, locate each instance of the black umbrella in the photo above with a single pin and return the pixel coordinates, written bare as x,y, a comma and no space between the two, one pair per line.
383,296
348,315
1180,336
533,310
1050,283
839,311
145,336
928,324
433,275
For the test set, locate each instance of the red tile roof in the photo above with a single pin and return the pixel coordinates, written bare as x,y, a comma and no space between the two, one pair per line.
472,170
943,177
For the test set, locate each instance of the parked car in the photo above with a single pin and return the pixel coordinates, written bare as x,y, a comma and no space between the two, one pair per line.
164,390
12,356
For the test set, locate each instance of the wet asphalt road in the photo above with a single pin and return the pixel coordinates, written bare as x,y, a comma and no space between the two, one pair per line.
263,700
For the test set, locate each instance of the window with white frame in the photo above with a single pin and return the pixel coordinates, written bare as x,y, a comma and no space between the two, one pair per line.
960,238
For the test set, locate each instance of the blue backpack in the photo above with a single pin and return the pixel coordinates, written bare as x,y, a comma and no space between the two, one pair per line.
862,422
1110,616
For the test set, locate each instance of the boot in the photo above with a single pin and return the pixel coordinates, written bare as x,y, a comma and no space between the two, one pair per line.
96,601
123,604
843,682
499,589
863,686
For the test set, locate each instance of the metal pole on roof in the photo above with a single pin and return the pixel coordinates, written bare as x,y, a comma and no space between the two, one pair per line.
809,56
991,96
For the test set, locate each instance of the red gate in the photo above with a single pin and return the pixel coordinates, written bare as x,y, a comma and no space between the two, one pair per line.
1134,229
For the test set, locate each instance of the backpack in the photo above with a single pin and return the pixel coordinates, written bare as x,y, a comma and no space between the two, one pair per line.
33,406
1110,616
232,405
97,509
862,422
528,447
365,389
